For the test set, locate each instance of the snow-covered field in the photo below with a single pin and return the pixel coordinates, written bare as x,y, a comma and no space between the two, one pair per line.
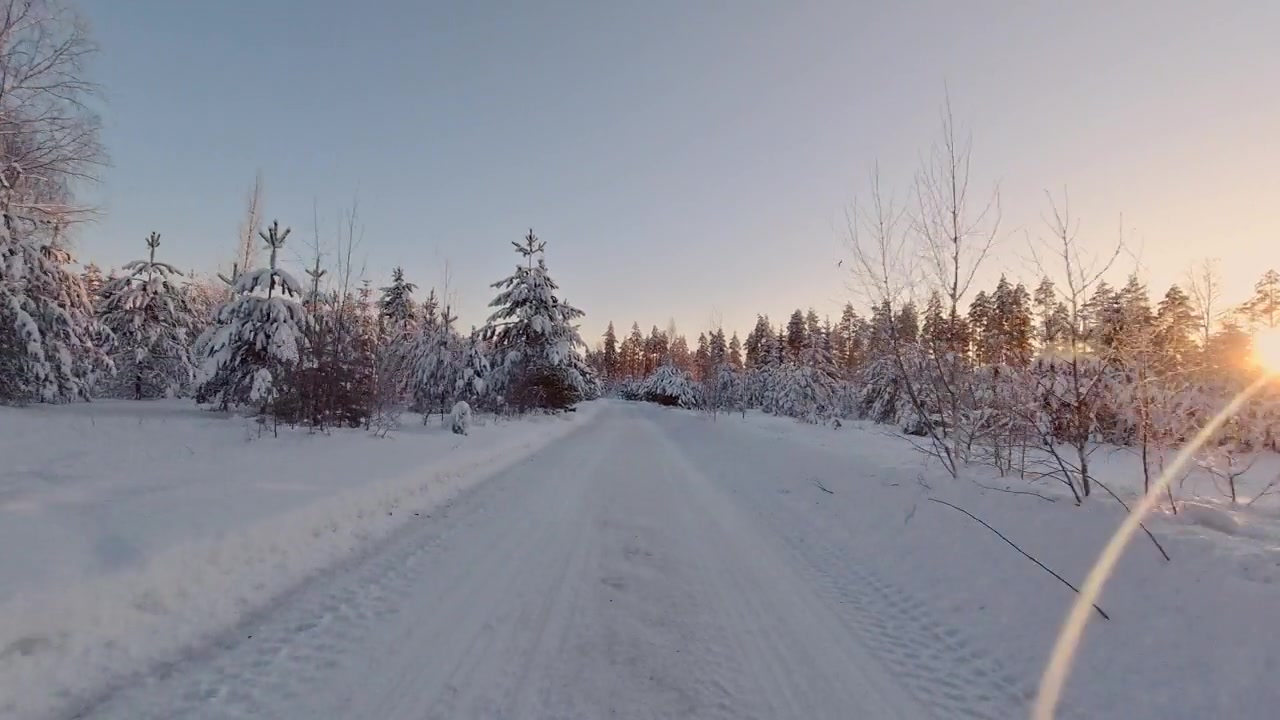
131,531
629,561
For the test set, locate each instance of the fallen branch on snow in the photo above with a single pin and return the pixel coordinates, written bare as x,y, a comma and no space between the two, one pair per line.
1144,527
1024,553
821,487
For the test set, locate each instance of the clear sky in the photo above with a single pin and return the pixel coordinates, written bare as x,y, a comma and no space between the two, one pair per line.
683,159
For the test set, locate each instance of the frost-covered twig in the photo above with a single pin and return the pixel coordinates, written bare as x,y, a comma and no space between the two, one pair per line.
1020,550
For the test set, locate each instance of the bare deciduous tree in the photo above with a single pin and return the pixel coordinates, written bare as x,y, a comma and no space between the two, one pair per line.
956,236
247,250
1068,387
1204,284
47,128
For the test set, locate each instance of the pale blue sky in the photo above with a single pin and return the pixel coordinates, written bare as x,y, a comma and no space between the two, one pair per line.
682,159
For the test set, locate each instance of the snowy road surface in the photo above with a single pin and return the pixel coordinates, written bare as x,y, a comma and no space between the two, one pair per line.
607,576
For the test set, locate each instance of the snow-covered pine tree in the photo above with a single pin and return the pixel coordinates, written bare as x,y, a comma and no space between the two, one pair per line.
880,399
535,343
1012,321
396,307
1175,326
47,325
933,331
756,340
908,322
679,353
717,348
796,330
93,280
1097,317
147,311
472,361
609,358
811,386
257,338
430,309
630,352
702,359
735,353
433,364
778,354
656,347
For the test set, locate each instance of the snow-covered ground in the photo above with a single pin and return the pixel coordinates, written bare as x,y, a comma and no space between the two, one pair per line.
647,563
130,531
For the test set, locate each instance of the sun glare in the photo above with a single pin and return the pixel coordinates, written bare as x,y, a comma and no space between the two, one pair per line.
1266,349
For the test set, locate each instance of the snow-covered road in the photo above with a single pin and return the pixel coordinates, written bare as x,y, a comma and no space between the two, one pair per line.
607,576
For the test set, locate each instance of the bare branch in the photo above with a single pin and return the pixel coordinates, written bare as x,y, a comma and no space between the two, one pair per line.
1020,550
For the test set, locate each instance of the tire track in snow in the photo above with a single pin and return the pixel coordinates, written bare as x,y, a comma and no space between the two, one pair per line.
606,576
932,659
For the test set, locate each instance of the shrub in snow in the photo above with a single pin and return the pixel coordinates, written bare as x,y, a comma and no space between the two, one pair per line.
535,344
631,389
460,418
147,312
257,338
47,326
671,386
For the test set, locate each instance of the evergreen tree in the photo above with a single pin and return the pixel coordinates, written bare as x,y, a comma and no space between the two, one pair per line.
445,367
717,349
1228,352
735,353
1019,326
655,350
1097,317
258,336
934,332
878,374
632,353
609,356
93,280
853,330
396,307
1175,324
1263,309
757,339
1135,316
908,324
535,343
431,313
47,324
147,311
795,339
702,358
679,353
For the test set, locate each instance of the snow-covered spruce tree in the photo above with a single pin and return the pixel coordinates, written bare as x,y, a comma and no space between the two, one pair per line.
47,324
609,360
396,307
671,386
444,367
257,338
146,310
811,384
535,343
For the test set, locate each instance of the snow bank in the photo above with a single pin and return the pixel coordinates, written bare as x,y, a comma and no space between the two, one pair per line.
63,639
